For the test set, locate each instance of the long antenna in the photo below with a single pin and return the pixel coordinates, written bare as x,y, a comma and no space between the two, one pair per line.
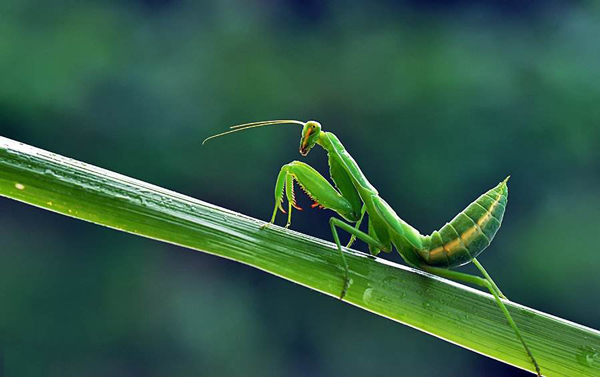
265,122
246,126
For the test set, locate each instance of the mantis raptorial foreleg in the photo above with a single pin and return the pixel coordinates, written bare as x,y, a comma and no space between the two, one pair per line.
315,186
485,283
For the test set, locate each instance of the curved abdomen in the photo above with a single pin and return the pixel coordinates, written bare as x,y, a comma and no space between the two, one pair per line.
469,233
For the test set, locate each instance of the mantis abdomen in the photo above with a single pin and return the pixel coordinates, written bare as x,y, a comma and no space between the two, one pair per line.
469,233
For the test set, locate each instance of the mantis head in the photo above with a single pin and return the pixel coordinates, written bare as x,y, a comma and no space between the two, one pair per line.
310,135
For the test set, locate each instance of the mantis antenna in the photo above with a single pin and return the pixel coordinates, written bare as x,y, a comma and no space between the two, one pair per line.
246,126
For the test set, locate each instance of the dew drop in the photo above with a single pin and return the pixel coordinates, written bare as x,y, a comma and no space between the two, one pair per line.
587,355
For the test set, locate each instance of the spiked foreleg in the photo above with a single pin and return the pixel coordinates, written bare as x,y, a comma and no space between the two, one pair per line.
279,186
316,187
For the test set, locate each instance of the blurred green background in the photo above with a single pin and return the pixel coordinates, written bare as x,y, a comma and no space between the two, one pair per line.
438,101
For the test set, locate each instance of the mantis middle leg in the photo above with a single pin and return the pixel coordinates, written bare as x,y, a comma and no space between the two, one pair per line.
369,239
357,226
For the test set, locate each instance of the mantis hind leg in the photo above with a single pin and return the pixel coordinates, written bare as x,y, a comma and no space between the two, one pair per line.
491,286
371,241
488,278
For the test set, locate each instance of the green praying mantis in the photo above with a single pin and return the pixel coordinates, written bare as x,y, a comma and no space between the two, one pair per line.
352,197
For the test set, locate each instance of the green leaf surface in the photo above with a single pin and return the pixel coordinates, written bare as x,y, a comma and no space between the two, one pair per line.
450,311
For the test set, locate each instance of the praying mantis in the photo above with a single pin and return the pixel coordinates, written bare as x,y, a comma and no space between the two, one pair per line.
352,197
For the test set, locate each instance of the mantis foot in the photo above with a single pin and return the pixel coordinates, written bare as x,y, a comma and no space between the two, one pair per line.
352,239
265,226
346,286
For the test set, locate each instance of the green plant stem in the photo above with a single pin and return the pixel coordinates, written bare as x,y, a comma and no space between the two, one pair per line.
450,311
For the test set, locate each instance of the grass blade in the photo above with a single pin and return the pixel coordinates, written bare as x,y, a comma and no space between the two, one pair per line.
456,313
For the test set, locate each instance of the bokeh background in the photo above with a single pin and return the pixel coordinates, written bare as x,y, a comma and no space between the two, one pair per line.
438,101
